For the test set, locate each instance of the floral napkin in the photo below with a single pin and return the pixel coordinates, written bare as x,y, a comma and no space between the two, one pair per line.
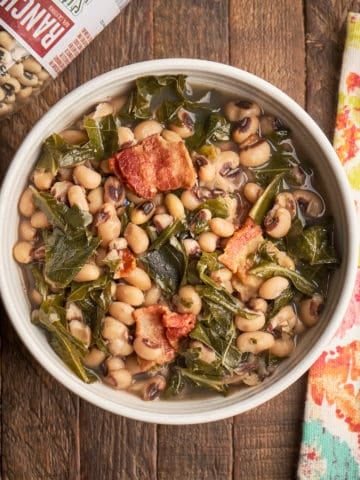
330,448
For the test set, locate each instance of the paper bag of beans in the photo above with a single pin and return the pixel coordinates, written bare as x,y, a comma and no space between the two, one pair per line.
40,38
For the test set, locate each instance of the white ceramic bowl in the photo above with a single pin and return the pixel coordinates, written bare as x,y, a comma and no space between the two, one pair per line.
315,146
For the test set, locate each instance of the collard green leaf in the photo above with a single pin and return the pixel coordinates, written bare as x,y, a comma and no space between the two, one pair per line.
269,269
172,230
39,282
55,211
217,128
312,245
223,298
79,291
103,138
205,381
263,203
65,255
56,153
166,267
217,206
68,348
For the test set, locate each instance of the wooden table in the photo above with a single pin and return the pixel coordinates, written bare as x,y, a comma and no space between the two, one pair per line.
49,433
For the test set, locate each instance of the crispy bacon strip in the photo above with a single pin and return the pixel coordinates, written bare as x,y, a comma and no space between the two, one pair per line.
244,241
154,166
178,325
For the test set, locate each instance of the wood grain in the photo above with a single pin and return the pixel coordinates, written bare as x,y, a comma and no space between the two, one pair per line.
325,36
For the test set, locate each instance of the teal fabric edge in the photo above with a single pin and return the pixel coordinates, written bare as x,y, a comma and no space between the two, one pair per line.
339,460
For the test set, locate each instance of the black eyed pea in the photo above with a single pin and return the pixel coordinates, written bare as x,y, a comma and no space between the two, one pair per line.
250,324
59,190
114,191
310,310
208,241
221,227
269,124
170,136
100,256
137,238
283,346
236,110
192,248
273,287
42,179
152,296
206,354
113,328
2,94
258,304
94,358
76,196
161,221
81,331
130,294
23,252
174,206
254,342
26,203
286,200
86,177
120,346
310,203
43,75
118,244
186,129
5,56
88,273
254,151
125,137
142,212
28,79
132,364
285,319
189,200
252,191
154,387
277,222
146,349
6,41
11,86
146,129
245,127
31,65
74,136
107,223
26,231
39,220
221,275
102,110
139,278
132,197
95,199
119,379
123,312
189,300
23,94
207,173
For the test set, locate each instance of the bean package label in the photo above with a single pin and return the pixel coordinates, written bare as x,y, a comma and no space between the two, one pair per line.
55,31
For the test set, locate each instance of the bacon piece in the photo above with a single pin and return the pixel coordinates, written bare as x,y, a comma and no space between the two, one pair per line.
150,328
153,166
178,325
244,241
162,328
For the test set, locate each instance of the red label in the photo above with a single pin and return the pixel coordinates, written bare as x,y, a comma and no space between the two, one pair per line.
39,22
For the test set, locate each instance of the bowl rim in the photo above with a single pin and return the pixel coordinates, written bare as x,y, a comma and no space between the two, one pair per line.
198,67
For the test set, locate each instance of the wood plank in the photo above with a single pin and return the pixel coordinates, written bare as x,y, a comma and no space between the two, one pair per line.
39,417
325,37
119,448
199,29
191,28
269,42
